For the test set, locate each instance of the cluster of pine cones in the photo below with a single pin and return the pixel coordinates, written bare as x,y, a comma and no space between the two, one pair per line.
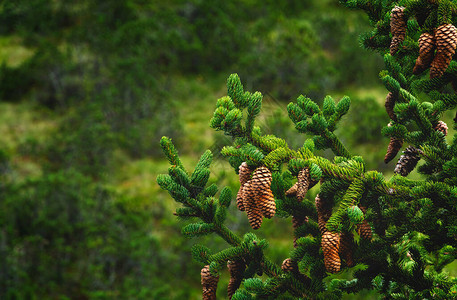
255,195
209,281
435,48
435,52
299,190
411,155
256,198
444,40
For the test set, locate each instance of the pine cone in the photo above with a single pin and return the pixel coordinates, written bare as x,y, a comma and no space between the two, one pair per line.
397,28
288,265
426,53
441,127
321,208
330,246
364,229
389,105
446,42
322,223
293,190
258,199
303,184
236,269
261,181
323,214
407,161
393,148
347,248
301,187
209,284
244,173
251,205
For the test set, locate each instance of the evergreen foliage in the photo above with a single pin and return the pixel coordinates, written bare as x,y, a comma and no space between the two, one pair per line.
393,235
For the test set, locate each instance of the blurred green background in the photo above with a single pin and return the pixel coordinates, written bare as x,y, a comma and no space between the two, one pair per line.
87,89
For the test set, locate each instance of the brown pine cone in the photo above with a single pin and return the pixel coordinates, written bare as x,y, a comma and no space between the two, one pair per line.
446,42
293,190
303,182
441,127
347,248
330,246
288,265
323,214
398,21
364,229
257,198
393,148
236,269
408,161
426,53
261,181
244,173
267,203
251,205
397,28
389,105
320,205
395,44
209,284
322,223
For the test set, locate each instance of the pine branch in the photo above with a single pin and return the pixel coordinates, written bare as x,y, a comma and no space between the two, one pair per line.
405,229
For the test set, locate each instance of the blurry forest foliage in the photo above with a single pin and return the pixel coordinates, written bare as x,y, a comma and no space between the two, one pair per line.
87,89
